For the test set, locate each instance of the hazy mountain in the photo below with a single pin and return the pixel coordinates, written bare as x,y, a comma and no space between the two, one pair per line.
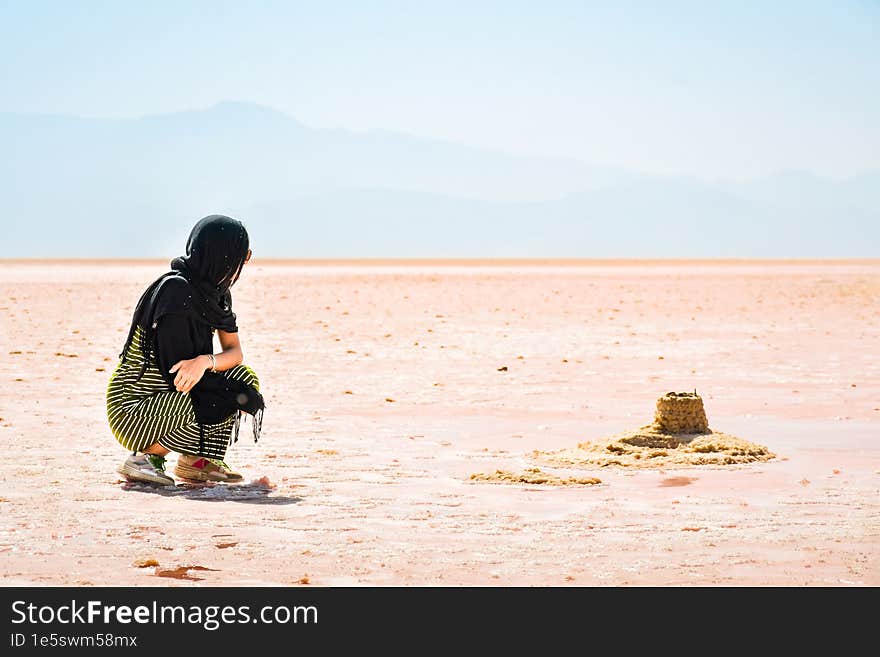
88,187
639,219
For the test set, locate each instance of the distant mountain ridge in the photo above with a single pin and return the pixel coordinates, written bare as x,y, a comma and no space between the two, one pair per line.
128,188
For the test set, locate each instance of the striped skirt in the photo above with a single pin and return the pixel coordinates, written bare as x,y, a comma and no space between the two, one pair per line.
144,412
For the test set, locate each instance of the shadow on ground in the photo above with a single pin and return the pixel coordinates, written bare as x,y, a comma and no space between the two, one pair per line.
245,493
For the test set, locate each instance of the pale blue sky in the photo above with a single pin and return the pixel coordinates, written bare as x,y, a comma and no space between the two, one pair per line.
711,90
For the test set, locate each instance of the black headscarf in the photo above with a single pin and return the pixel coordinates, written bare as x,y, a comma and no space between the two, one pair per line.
215,254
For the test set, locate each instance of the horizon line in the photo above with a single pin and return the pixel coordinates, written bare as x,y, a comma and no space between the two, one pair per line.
474,261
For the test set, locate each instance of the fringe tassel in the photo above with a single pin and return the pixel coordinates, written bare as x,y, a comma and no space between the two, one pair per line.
236,426
258,423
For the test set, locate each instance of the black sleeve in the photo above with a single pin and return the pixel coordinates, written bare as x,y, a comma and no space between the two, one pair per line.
215,397
174,343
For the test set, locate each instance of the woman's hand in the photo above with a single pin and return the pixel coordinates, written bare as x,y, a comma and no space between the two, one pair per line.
189,372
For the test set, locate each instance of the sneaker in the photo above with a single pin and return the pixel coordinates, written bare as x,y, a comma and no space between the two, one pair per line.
231,475
198,468
147,468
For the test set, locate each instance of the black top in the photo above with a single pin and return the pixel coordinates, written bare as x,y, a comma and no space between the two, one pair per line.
179,337
199,282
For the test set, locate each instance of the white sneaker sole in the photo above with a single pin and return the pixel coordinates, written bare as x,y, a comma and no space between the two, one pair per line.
133,474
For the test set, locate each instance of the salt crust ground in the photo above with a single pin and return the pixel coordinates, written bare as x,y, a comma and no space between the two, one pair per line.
371,491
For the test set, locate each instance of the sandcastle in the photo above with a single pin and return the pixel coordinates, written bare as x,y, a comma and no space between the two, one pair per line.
679,436
681,412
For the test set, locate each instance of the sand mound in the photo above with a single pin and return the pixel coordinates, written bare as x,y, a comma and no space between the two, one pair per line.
650,447
679,436
533,476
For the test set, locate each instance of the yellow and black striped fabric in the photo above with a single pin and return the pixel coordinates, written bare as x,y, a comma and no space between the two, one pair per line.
145,411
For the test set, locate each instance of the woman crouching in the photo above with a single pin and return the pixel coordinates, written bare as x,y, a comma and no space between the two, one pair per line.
170,392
